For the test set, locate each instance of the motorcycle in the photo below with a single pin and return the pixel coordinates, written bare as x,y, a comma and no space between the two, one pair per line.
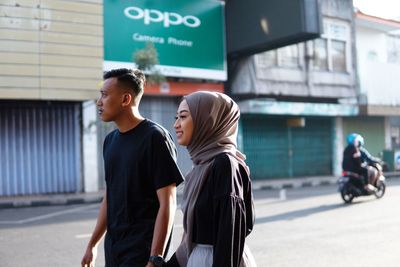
351,185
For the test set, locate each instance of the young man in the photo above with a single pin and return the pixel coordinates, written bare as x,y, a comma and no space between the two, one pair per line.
141,174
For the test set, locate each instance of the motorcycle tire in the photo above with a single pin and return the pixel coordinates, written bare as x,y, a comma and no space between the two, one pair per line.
381,188
346,195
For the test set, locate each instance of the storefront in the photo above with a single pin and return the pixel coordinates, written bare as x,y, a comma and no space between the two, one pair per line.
278,146
292,139
40,144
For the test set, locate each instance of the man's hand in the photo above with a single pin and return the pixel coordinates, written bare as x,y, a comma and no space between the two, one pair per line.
101,226
89,258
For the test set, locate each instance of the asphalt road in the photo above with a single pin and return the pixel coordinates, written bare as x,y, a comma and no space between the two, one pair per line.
303,227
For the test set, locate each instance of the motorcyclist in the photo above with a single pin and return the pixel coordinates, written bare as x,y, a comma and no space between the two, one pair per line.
357,159
371,163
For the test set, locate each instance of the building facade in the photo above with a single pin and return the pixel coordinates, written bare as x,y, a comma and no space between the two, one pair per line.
298,102
293,100
378,60
51,55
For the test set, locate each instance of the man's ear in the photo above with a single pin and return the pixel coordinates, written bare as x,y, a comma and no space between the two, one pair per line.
127,99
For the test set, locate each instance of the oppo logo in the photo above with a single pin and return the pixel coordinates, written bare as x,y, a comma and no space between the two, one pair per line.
167,18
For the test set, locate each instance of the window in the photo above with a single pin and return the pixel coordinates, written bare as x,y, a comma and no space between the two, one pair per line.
393,49
338,55
266,59
395,136
372,55
320,55
286,57
332,50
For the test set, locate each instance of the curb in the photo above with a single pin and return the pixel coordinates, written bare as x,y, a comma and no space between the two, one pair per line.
294,183
277,184
96,197
45,201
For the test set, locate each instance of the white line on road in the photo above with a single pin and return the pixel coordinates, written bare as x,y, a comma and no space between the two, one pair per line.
81,236
50,215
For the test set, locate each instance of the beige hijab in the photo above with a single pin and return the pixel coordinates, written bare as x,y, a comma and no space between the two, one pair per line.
215,119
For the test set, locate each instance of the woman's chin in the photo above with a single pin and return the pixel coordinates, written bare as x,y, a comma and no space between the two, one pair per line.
182,142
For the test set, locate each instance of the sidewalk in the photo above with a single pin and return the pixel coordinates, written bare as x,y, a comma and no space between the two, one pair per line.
96,197
50,199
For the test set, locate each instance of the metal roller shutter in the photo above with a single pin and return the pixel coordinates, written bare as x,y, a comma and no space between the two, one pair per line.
312,148
40,147
265,144
275,150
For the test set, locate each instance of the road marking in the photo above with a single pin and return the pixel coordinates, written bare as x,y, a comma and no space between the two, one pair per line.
266,201
81,236
282,194
47,216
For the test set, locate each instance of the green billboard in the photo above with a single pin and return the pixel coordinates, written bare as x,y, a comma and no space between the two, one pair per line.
188,35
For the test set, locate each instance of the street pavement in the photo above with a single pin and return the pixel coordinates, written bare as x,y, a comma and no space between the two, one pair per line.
300,226
94,197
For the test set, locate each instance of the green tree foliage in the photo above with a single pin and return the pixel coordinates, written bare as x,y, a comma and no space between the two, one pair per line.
146,59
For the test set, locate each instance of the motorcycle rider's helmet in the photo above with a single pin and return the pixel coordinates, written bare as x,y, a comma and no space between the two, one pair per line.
355,138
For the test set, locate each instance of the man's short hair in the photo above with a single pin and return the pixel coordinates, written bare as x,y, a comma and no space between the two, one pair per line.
133,79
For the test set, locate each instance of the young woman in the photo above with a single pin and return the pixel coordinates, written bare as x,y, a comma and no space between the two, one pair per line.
217,200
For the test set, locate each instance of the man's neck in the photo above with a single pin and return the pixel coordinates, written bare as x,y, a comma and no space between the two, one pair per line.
129,120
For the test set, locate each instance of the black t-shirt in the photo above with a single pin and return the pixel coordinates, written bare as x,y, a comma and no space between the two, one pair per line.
137,163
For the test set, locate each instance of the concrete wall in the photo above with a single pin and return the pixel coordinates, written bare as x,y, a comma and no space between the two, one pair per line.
377,76
371,128
50,49
90,147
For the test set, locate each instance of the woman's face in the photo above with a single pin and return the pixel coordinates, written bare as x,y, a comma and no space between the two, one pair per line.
183,124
